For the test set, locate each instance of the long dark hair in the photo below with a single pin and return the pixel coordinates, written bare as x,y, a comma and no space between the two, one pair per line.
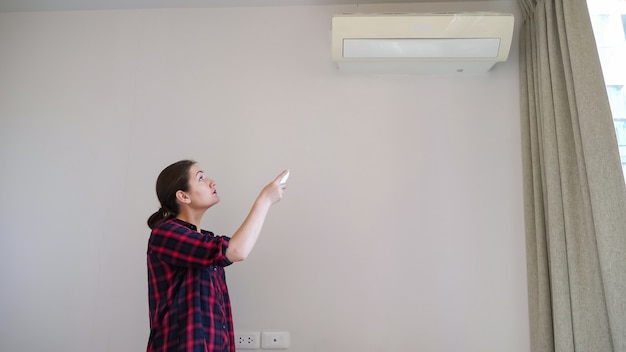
172,179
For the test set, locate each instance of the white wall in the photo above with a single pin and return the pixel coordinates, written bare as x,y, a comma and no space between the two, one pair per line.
401,230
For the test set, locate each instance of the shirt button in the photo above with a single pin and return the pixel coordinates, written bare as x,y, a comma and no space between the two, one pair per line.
224,327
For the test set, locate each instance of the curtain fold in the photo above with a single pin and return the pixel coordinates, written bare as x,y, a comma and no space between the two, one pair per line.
574,191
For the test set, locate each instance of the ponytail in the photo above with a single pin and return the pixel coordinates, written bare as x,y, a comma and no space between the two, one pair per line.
159,216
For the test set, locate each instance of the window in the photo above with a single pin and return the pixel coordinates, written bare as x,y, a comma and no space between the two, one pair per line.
617,99
608,18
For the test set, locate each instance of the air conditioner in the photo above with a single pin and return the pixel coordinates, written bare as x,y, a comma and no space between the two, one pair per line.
421,43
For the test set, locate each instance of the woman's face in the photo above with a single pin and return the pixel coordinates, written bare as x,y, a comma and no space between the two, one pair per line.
202,191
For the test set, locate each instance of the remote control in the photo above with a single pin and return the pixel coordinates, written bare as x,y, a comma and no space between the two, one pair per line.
284,179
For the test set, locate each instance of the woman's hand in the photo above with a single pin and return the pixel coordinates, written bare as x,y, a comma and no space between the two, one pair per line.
273,192
243,240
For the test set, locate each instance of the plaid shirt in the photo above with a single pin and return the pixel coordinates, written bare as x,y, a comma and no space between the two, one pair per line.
188,299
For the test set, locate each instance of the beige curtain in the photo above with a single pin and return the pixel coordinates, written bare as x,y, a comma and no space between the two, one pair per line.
575,198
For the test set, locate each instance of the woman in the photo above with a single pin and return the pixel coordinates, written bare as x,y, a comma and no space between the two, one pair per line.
188,299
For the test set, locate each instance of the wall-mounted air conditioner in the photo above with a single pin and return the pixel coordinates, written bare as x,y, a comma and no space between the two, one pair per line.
421,43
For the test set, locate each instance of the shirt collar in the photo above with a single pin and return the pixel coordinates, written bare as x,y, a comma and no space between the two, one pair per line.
192,226
186,224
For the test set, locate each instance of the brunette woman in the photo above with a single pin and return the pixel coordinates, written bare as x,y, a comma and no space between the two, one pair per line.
189,304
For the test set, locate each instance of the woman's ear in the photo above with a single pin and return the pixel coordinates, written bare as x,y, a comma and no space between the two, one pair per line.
182,197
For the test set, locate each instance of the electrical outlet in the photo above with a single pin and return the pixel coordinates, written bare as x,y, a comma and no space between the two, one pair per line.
275,340
247,340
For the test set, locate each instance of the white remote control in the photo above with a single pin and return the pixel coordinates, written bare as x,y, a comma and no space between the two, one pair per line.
284,179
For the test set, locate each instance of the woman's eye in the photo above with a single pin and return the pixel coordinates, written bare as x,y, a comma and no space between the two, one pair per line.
201,178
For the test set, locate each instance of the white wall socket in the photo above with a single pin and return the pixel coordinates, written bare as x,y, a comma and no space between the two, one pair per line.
275,340
247,340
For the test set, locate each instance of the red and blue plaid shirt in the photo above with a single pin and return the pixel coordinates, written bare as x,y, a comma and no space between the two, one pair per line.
188,299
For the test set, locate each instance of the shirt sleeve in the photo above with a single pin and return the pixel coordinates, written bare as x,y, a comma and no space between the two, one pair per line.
181,246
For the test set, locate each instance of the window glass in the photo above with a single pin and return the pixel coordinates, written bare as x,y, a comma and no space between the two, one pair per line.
608,18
